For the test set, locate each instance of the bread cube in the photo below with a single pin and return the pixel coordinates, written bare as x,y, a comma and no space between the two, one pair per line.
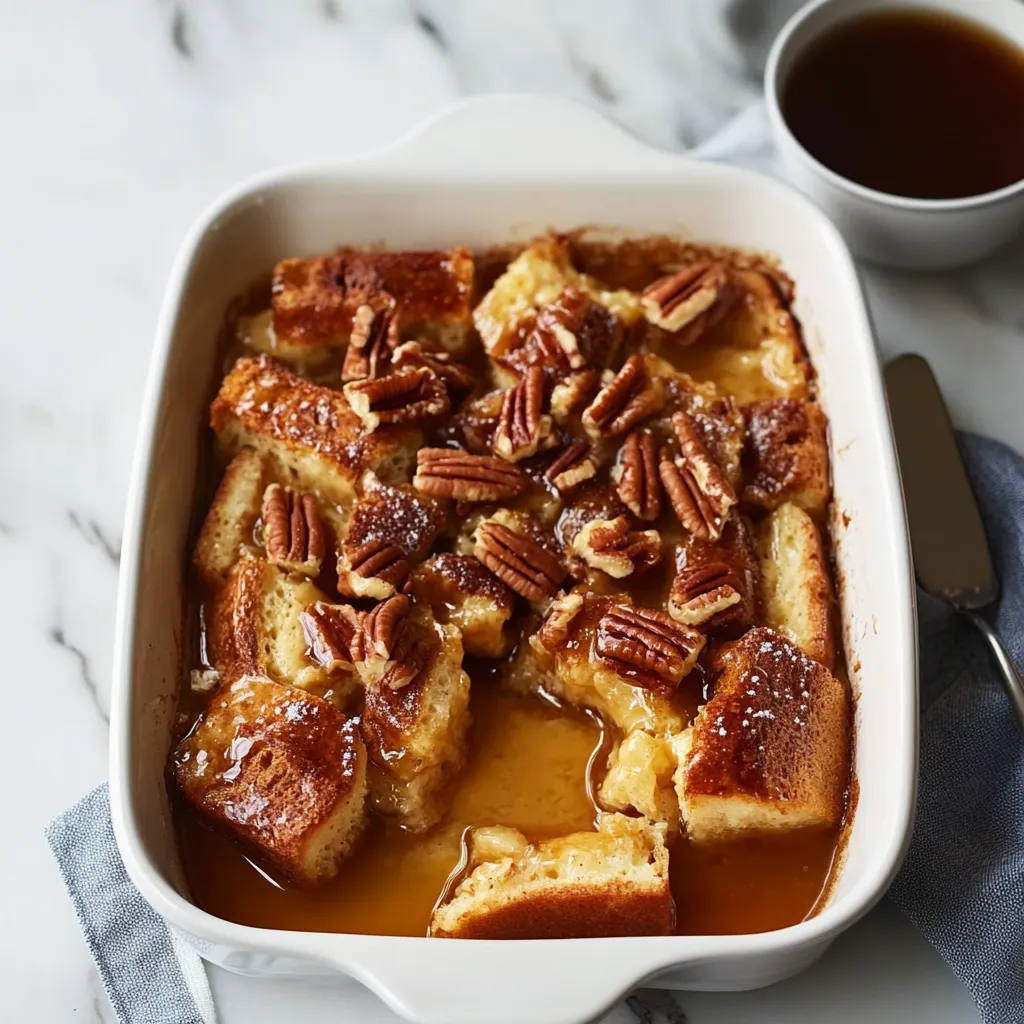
461,591
229,523
611,882
280,771
254,626
639,778
796,591
315,300
787,447
416,735
770,750
306,432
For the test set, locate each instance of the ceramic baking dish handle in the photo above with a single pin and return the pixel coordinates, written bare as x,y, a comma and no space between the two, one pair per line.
522,137
452,981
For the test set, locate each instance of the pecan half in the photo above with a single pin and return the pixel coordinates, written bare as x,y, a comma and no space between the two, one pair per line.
610,545
639,642
374,335
703,592
518,561
695,298
639,486
522,425
375,569
554,633
453,473
572,467
570,394
456,377
629,397
698,490
407,396
575,331
383,649
329,630
293,533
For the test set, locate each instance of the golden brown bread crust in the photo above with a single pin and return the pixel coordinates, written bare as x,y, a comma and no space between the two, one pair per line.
271,766
314,300
776,730
787,455
579,912
230,519
796,589
395,515
306,429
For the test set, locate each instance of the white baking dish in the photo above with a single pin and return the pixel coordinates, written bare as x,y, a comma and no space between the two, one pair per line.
486,171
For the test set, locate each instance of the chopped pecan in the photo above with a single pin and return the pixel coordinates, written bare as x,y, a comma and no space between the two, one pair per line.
453,473
629,397
698,490
610,545
638,483
572,466
292,531
694,298
569,394
376,569
383,649
554,633
703,592
456,377
374,335
407,396
518,561
329,630
639,642
523,428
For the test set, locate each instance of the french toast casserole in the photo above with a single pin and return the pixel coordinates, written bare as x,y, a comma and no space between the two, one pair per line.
512,609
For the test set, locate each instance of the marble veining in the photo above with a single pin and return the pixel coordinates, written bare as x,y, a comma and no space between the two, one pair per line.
123,121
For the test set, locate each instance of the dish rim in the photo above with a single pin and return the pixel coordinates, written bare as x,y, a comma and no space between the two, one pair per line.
629,961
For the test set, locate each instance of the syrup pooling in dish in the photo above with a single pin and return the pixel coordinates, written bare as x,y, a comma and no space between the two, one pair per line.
532,539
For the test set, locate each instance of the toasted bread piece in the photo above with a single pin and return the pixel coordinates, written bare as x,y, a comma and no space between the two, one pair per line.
796,592
229,523
281,771
589,884
769,750
307,432
416,735
754,351
640,778
315,300
535,278
461,591
564,664
787,446
253,627
389,529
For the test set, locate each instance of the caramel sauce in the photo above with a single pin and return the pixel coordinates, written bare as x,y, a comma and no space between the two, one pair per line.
533,764
528,769
913,103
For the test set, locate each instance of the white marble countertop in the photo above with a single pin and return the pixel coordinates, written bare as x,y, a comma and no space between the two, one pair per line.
121,121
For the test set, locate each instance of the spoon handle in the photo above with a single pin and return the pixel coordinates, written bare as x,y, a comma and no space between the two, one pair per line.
1012,682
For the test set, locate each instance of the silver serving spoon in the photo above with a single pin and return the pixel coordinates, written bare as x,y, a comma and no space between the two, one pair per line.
951,556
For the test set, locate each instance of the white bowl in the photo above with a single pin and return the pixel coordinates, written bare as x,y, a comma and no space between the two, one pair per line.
922,234
487,171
